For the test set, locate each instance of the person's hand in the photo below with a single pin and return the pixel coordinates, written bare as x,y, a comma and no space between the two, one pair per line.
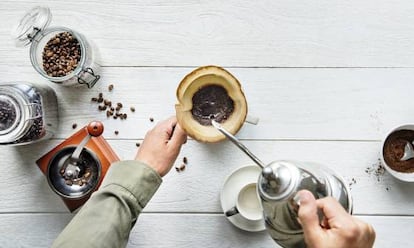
162,145
338,228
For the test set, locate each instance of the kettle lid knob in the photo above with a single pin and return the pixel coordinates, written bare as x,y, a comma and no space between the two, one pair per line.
277,180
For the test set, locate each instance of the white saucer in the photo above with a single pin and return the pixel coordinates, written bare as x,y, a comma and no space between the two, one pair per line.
228,196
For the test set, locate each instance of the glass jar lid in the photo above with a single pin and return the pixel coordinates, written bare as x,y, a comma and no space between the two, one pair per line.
31,23
14,114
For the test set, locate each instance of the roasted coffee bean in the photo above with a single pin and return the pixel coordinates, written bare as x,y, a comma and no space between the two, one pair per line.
125,116
112,109
180,168
119,105
100,95
116,132
132,109
137,144
74,125
110,87
118,108
108,113
115,117
94,99
151,119
185,160
58,54
106,102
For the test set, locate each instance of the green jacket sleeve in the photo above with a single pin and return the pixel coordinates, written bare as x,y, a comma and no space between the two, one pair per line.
109,215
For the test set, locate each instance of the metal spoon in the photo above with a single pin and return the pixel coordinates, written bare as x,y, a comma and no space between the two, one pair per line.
238,143
408,152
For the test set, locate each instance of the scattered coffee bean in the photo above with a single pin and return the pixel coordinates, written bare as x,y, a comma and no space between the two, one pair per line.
180,168
116,132
132,109
151,119
110,110
185,160
137,144
110,87
61,55
74,125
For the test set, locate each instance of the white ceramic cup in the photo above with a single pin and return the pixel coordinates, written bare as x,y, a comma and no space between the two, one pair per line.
407,177
247,204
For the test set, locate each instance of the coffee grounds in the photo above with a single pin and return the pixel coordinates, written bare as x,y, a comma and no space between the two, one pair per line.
211,102
61,55
393,151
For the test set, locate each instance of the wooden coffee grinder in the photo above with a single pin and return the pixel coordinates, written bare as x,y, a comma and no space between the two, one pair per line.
76,167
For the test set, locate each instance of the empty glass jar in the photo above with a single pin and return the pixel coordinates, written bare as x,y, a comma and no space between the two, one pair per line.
59,54
28,113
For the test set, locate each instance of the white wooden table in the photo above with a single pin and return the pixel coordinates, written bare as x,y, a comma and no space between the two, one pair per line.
326,78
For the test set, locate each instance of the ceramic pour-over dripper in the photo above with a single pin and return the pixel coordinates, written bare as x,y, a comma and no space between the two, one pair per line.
210,90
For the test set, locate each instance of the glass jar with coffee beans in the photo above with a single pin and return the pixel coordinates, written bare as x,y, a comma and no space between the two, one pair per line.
59,54
28,113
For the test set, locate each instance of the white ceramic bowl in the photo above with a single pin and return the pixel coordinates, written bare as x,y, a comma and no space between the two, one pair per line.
406,177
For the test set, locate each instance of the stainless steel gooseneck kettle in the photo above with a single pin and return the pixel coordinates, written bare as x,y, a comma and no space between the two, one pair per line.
277,186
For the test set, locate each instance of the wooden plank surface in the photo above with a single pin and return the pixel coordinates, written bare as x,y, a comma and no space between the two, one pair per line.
316,33
181,230
197,189
309,104
326,78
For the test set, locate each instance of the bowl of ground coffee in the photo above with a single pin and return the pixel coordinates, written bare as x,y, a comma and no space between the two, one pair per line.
210,93
392,152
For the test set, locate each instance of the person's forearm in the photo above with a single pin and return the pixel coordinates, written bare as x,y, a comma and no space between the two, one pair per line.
111,212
